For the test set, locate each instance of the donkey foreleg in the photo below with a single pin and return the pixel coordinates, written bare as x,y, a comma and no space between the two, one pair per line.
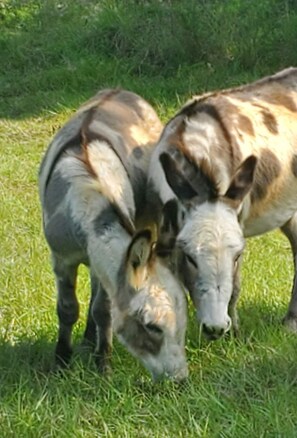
90,335
232,308
67,309
290,230
101,313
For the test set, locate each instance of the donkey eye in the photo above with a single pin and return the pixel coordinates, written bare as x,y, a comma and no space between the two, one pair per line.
191,261
153,328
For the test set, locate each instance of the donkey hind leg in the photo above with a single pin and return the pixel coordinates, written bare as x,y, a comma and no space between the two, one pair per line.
102,317
67,309
290,230
232,310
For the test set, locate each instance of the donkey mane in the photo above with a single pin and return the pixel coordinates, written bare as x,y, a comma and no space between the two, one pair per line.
279,77
99,99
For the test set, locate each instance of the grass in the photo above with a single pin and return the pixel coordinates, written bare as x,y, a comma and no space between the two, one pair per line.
50,63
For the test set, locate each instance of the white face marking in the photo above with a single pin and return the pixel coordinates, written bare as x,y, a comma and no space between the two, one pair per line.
212,239
161,301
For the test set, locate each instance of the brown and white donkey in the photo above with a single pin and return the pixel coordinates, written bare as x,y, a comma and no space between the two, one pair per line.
227,164
92,185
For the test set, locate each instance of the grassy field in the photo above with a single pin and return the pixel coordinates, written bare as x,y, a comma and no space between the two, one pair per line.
54,55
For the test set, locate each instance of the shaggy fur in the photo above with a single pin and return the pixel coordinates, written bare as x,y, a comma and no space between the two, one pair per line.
92,184
228,158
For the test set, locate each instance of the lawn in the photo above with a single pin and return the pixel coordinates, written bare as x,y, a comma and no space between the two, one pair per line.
245,387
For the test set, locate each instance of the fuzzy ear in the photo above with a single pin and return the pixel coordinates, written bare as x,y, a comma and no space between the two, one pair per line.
188,180
169,228
139,249
138,255
176,179
170,217
242,181
109,177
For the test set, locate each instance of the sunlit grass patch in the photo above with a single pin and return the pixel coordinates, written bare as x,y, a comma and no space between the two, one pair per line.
55,55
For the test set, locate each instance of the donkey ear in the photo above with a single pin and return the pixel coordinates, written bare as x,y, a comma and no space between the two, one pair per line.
110,178
170,217
138,255
169,228
242,181
139,249
175,178
189,181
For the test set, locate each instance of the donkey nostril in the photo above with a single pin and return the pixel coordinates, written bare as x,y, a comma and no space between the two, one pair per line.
213,332
207,330
220,332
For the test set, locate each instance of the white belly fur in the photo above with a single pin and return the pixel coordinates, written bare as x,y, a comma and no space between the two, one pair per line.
265,217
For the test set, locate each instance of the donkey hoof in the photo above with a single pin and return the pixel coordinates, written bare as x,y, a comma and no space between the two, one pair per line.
290,323
62,363
235,330
105,370
62,356
103,366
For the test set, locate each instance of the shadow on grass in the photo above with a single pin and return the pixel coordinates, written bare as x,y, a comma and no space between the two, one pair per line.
38,355
258,322
26,355
230,371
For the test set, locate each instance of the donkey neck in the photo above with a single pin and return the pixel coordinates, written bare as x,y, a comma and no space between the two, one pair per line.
107,248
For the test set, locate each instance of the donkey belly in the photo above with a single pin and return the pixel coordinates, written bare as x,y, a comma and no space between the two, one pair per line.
66,239
273,213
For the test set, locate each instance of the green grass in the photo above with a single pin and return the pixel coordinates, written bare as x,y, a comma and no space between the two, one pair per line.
54,55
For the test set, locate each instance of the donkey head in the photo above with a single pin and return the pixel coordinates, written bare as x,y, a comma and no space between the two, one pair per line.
209,236
150,309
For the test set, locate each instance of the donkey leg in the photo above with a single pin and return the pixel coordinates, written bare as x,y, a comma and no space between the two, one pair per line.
102,317
90,334
67,309
290,230
232,310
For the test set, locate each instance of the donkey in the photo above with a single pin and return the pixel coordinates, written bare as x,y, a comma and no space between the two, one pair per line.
226,167
92,183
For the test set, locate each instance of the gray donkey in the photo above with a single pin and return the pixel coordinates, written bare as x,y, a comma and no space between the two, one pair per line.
227,165
92,184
